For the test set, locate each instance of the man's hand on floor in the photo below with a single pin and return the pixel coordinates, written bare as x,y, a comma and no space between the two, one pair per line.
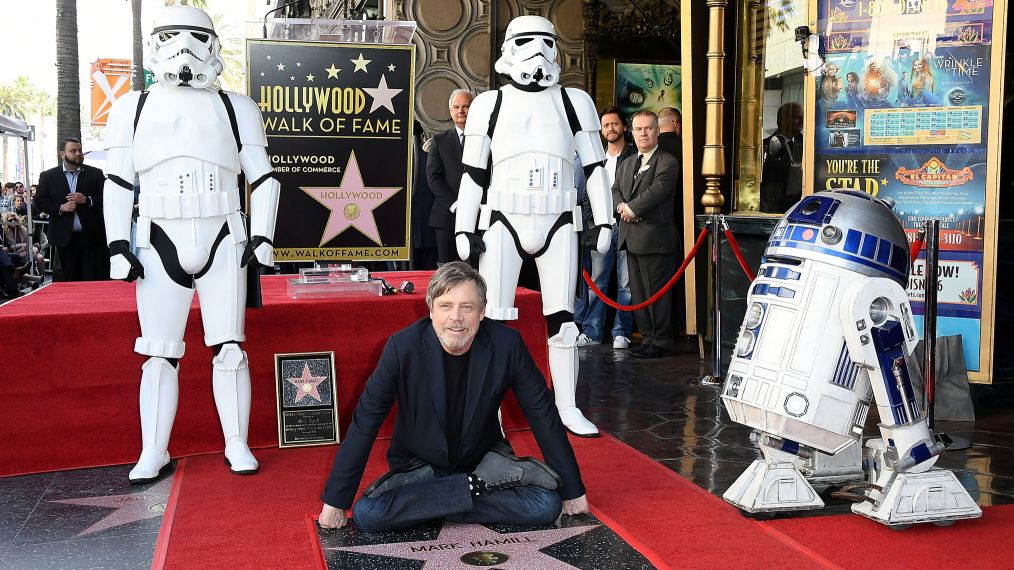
576,506
331,517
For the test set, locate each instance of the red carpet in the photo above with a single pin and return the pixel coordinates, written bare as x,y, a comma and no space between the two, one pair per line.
855,542
70,399
222,520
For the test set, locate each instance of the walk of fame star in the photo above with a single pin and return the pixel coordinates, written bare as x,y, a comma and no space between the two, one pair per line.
131,507
360,64
382,95
348,201
306,385
464,545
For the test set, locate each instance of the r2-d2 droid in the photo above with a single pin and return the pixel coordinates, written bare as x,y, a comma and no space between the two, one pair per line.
827,329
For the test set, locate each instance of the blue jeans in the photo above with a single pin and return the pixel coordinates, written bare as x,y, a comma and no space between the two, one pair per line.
447,497
603,265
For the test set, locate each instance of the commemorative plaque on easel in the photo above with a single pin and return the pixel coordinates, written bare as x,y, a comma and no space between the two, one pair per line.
305,389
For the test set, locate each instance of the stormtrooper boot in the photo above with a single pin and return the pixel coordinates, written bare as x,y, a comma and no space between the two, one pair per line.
563,367
158,397
231,384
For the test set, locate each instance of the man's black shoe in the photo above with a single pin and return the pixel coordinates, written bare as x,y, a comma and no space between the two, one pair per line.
641,347
652,352
499,470
415,471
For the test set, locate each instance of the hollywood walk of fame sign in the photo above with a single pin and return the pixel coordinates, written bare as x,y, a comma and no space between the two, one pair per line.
305,388
581,542
338,119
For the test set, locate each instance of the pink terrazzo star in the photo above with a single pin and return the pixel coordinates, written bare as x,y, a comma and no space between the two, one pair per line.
479,546
351,203
129,508
306,385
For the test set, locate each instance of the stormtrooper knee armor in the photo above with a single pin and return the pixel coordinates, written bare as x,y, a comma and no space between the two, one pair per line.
188,142
530,132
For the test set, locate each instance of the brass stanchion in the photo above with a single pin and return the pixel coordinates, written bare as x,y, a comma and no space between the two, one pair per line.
713,168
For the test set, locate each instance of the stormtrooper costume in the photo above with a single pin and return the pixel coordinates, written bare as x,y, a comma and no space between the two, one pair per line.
188,142
526,201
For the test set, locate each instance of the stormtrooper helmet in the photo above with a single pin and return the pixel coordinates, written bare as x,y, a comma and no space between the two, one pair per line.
184,48
528,54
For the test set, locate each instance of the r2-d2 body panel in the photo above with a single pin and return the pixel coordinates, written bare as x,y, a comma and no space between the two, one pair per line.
791,374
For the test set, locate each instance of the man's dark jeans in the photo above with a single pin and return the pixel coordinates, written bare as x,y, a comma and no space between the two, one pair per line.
448,497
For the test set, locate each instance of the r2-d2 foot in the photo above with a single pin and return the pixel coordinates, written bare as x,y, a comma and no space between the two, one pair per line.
899,499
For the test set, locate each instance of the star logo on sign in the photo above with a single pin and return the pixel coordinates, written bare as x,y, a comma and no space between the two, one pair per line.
391,67
128,508
268,56
351,203
309,78
298,64
360,63
306,385
281,67
332,72
382,95
476,545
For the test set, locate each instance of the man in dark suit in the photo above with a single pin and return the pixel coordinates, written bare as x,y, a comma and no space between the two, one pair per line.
443,172
643,194
71,195
448,456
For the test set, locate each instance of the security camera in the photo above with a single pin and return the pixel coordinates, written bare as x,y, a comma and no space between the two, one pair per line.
802,32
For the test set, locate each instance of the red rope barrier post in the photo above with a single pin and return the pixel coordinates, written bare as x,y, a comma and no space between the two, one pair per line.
715,378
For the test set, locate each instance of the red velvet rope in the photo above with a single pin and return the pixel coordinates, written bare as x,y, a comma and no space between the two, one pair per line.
739,253
914,250
665,289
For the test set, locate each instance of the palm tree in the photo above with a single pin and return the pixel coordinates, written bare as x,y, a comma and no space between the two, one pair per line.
137,77
15,101
68,81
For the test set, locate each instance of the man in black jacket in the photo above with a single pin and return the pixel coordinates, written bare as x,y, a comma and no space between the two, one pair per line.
443,172
71,195
448,456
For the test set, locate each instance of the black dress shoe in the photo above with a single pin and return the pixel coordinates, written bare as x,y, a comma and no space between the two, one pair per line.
652,352
641,347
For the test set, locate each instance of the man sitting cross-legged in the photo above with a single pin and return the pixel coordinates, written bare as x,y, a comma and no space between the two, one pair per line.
448,456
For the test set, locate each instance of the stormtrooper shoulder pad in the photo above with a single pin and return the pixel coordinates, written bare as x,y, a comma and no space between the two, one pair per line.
584,107
120,123
248,117
482,113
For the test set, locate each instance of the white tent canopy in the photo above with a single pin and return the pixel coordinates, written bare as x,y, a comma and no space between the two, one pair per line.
10,126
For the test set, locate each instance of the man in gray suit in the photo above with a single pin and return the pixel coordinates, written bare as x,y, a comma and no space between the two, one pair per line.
643,193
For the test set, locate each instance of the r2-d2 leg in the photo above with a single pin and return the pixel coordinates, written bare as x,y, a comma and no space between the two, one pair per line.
905,487
775,482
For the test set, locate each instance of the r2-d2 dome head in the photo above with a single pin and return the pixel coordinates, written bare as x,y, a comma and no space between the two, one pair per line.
846,228
528,54
184,48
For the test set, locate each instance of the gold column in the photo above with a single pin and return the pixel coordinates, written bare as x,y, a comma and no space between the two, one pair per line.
713,159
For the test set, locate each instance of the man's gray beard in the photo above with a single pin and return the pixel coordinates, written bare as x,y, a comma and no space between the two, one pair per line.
452,344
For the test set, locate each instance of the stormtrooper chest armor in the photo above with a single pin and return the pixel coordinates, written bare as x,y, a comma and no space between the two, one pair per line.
532,152
188,163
